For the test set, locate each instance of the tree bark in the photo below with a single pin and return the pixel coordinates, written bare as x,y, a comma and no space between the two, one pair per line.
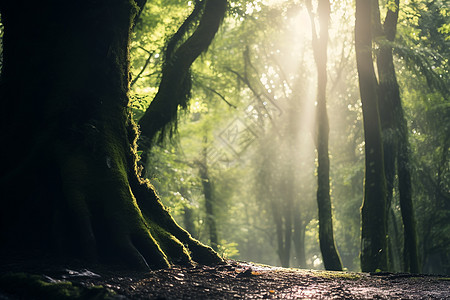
395,136
330,255
373,212
410,251
394,248
69,181
388,94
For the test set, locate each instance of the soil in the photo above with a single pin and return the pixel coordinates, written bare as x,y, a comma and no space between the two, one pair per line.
230,280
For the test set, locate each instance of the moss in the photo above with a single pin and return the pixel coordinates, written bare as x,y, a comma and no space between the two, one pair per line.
338,275
174,248
34,286
444,278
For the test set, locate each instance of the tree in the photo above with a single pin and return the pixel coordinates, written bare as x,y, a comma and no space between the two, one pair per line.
276,191
74,189
208,191
424,53
395,133
330,255
276,78
373,214
175,86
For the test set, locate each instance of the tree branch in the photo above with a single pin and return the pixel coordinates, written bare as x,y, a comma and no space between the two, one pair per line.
143,68
217,93
184,28
175,86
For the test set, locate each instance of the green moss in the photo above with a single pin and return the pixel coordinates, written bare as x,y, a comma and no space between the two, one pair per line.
174,249
338,275
444,278
26,285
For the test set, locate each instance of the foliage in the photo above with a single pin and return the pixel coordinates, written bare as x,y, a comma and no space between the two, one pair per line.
430,143
158,21
262,55
424,79
424,42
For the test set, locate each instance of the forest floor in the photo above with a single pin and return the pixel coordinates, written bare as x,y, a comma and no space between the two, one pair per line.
230,280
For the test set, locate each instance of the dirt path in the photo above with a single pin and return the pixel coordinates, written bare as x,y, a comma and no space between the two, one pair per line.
250,281
239,280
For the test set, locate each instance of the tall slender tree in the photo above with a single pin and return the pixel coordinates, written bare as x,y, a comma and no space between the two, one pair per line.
208,192
373,212
330,255
395,132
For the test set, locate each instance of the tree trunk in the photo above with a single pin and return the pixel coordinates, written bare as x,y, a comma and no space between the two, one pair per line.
395,137
287,235
330,255
388,92
373,212
188,214
395,263
299,239
284,232
273,195
69,180
208,192
410,251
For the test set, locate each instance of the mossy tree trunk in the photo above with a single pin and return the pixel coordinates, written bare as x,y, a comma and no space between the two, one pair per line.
160,119
373,212
395,135
330,255
69,180
388,92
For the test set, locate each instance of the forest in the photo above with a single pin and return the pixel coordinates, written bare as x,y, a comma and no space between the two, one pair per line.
244,163
312,134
